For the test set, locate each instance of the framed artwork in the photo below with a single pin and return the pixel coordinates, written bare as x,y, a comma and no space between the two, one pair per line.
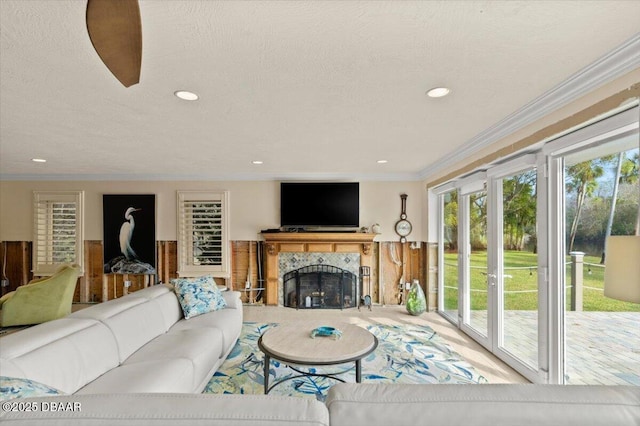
129,233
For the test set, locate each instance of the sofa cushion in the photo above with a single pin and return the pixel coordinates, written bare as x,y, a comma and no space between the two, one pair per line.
133,320
233,299
151,292
65,354
105,310
228,321
15,387
151,376
201,346
198,296
353,404
165,298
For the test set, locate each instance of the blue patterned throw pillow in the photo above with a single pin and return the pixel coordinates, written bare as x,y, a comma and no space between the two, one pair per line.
198,296
15,387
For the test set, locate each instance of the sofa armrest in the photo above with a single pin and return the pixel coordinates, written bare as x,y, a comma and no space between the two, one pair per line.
6,297
233,299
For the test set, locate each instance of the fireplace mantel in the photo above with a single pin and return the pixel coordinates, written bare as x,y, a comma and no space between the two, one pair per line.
311,242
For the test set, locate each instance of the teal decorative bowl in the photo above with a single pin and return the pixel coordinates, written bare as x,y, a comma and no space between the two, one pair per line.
326,331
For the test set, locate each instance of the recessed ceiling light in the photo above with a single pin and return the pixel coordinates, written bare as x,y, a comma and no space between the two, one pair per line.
38,160
187,96
256,162
438,92
382,161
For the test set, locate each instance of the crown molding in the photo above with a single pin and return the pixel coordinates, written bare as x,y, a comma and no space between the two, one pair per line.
616,63
375,177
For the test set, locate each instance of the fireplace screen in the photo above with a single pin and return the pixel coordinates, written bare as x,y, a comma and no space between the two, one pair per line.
320,287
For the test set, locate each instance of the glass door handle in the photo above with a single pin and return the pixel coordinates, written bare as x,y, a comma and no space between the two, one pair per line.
492,281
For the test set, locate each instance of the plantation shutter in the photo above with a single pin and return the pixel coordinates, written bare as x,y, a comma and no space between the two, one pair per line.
203,233
58,230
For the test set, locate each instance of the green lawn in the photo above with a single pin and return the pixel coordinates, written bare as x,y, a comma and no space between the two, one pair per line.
521,284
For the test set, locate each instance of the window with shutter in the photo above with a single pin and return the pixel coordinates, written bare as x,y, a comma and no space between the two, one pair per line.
203,242
58,230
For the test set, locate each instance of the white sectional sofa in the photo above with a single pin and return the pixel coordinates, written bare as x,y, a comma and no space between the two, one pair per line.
137,343
136,361
347,405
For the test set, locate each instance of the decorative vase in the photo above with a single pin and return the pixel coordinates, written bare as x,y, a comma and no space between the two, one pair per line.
416,302
375,228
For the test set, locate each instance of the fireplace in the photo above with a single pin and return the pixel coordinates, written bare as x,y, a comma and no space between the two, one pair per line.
320,287
287,251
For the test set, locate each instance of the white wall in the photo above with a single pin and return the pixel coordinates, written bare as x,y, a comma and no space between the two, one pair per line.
255,205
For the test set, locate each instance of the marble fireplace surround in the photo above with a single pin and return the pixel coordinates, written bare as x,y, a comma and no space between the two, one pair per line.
292,250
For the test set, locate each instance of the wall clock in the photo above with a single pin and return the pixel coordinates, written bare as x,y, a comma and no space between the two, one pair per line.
403,226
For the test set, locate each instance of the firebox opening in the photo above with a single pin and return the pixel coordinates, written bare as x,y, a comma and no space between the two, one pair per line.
320,287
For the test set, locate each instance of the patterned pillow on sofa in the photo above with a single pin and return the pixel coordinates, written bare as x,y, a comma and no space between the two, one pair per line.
198,296
15,387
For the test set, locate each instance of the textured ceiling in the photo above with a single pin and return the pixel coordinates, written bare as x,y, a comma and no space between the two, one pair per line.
314,89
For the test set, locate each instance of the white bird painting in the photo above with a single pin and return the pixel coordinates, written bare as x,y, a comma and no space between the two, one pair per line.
129,246
126,232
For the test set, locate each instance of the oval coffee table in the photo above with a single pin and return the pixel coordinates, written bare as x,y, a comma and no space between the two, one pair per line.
293,345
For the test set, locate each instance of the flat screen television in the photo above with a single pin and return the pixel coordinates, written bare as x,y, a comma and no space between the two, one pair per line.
316,204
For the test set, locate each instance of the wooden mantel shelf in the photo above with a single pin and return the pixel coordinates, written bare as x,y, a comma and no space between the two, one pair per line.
342,237
311,242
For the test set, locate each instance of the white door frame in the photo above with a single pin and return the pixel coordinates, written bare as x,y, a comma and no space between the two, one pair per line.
440,192
536,374
464,238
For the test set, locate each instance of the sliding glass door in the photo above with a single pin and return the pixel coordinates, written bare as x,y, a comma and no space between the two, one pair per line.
515,266
594,191
489,261
601,187
523,248
448,256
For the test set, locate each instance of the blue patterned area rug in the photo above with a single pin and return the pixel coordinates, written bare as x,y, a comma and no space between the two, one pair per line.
405,354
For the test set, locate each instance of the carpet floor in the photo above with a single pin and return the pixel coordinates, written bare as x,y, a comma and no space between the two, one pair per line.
405,354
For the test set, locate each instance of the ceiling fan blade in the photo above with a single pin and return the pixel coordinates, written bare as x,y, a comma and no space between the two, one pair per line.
115,29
